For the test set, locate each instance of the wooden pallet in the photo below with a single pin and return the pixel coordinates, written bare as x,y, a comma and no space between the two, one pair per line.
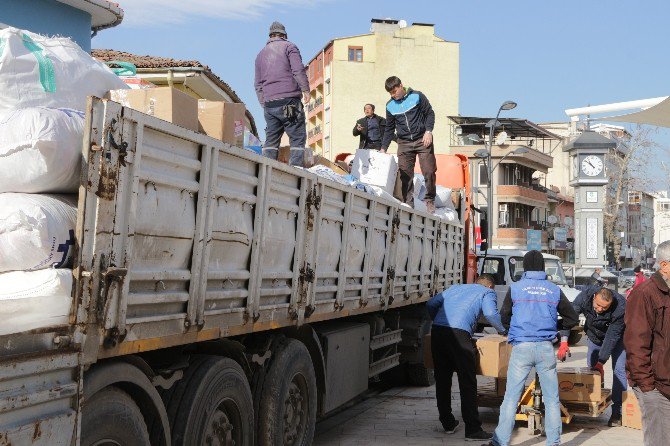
590,408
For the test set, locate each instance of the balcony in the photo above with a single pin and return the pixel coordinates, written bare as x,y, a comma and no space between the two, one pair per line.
521,194
315,105
314,132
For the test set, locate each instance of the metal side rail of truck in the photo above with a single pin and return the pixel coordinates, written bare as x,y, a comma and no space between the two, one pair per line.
220,298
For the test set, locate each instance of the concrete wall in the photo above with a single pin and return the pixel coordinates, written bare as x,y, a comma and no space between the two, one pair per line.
421,60
48,17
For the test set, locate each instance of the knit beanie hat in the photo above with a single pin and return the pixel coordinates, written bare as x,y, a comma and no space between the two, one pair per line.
533,261
277,28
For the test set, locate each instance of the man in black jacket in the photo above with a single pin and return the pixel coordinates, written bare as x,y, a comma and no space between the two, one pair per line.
410,115
604,311
370,128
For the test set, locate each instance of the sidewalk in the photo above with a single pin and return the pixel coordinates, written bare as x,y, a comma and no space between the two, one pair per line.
408,416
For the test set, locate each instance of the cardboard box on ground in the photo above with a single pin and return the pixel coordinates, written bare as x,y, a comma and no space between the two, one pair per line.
166,103
630,412
493,354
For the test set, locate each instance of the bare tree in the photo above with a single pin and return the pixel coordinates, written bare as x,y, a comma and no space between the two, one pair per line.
628,165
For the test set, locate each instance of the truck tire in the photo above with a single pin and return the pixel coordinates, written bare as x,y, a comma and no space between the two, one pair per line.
211,404
420,376
288,403
111,417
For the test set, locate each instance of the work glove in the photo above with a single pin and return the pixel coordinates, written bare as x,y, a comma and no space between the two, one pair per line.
601,370
563,351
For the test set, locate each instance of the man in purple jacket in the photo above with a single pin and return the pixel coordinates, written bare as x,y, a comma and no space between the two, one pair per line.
280,83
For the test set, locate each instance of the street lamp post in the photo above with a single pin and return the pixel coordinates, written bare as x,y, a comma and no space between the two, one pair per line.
492,124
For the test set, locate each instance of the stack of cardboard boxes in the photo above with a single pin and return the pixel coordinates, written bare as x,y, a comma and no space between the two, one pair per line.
220,120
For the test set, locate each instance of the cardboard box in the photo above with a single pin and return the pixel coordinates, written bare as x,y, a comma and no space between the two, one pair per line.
492,358
222,120
319,160
427,353
630,411
166,103
493,354
375,168
579,384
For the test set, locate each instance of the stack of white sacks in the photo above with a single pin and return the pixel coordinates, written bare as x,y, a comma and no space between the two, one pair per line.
44,83
375,173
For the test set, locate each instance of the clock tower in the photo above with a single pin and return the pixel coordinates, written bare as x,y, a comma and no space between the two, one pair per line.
588,176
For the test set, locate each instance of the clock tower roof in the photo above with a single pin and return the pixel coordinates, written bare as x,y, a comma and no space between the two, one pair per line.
590,140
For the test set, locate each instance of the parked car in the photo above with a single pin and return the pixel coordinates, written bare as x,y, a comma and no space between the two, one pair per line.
627,277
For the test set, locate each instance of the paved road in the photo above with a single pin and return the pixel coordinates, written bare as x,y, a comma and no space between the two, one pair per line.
408,416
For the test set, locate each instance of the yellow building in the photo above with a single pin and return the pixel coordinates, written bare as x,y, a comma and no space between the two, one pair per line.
350,72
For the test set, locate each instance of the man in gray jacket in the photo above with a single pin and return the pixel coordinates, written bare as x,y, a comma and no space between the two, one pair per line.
280,82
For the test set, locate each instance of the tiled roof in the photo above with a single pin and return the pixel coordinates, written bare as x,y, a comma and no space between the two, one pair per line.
152,62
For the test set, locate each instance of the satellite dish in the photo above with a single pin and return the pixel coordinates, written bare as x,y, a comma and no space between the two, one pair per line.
552,219
568,220
402,24
501,138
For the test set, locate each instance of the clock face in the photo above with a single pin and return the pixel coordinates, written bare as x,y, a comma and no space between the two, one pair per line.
592,165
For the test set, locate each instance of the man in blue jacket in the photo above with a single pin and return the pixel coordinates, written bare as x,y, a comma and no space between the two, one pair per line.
530,311
455,312
604,311
410,115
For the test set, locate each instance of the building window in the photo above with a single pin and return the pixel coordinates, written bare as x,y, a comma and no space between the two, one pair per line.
327,115
355,54
483,175
327,87
326,144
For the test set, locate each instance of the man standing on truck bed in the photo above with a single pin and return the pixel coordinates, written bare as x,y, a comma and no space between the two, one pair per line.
409,113
604,311
455,312
531,310
280,82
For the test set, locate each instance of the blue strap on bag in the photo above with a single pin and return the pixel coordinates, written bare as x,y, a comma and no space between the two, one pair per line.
121,68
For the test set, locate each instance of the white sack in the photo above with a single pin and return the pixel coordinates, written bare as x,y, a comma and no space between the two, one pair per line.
327,172
375,168
378,191
49,71
40,150
420,205
419,186
443,197
36,231
35,299
447,214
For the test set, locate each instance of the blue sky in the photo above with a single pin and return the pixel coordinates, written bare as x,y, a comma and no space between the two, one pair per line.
547,56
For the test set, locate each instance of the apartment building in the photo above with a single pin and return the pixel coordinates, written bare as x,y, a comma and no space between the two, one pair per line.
520,201
640,249
350,72
661,217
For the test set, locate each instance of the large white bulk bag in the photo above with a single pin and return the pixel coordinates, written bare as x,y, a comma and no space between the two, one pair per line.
375,168
36,231
40,150
443,197
49,71
34,299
